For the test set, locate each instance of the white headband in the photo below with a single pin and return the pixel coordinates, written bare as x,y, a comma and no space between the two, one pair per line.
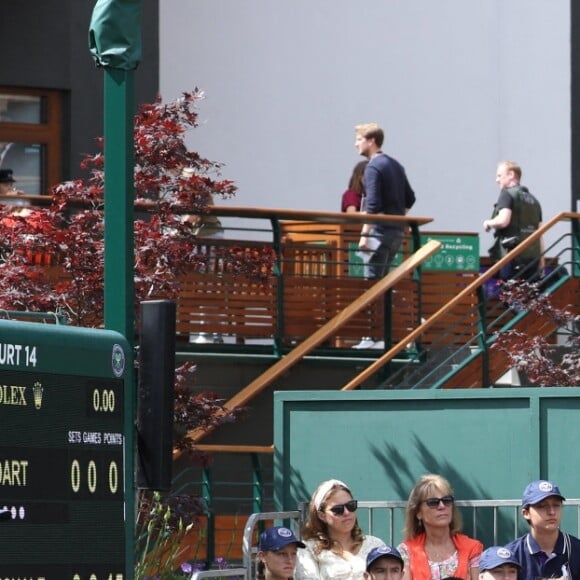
323,490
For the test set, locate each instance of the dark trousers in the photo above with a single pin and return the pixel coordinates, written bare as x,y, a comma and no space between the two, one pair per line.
384,255
527,269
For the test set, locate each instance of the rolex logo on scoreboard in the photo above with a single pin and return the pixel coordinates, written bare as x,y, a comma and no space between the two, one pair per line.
37,391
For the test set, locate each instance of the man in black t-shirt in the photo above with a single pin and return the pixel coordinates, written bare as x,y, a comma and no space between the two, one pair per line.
517,214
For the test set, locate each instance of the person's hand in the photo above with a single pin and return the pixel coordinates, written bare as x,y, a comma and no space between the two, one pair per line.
487,225
363,243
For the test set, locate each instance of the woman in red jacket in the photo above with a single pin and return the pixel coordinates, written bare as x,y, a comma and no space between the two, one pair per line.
433,548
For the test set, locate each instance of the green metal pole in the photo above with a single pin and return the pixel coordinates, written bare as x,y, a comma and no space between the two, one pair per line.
258,488
119,197
575,248
207,495
482,339
277,245
119,258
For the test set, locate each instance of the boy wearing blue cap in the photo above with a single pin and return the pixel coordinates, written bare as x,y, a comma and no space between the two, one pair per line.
546,551
277,553
498,563
384,563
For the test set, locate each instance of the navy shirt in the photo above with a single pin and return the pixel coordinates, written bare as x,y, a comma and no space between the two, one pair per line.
564,561
387,188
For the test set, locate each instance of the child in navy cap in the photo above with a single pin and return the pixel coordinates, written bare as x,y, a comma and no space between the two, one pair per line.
546,551
498,563
384,563
277,553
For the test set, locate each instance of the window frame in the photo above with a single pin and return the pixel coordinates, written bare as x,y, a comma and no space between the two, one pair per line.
47,134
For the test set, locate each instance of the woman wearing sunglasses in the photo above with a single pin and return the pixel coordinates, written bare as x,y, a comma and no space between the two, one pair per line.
335,544
433,548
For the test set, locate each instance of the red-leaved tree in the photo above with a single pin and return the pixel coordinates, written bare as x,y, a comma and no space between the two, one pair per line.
51,258
543,362
71,229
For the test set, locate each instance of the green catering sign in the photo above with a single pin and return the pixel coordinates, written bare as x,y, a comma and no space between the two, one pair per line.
458,252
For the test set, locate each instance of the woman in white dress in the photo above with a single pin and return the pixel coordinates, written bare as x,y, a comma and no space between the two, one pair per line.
335,545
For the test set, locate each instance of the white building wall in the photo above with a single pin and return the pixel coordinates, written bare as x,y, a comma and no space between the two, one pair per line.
457,85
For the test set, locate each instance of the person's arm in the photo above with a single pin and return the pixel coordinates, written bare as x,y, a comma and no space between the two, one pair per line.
474,567
409,196
350,201
402,548
372,192
363,243
500,221
473,561
306,565
542,264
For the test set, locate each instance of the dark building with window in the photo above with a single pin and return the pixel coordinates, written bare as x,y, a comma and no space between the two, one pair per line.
51,92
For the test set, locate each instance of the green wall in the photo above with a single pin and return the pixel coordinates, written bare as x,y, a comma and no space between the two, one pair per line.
489,443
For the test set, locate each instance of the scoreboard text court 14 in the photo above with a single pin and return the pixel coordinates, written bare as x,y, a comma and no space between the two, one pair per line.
62,450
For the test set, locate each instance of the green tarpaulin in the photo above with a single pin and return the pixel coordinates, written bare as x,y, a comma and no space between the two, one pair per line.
115,33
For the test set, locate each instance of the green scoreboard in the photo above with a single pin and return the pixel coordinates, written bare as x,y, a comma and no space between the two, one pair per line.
62,452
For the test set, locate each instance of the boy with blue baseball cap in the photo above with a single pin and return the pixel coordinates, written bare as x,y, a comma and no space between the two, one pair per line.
498,563
546,551
277,553
384,563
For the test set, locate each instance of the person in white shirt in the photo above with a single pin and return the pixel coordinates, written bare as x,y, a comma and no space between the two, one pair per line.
335,544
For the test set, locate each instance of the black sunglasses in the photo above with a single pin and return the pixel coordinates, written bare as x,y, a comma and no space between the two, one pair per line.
434,502
339,508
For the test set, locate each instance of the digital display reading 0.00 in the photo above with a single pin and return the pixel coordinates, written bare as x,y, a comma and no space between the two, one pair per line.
62,477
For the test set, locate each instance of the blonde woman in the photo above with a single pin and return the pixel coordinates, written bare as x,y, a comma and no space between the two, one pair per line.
433,548
335,545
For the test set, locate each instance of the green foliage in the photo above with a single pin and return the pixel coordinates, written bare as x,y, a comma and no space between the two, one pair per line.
159,533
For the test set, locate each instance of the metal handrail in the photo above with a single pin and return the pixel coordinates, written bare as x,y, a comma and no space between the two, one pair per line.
480,340
219,573
47,317
208,485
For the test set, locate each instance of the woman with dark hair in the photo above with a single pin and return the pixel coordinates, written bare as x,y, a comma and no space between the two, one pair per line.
335,545
434,548
353,196
277,553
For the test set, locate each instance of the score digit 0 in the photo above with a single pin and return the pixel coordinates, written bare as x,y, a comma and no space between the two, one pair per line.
94,577
104,400
75,476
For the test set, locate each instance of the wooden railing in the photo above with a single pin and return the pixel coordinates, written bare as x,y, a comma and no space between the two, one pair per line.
313,281
332,327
